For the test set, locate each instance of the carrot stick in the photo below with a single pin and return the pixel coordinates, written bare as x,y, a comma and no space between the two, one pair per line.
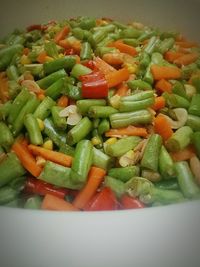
122,89
159,103
186,59
124,48
184,154
116,77
163,86
63,101
128,131
75,45
51,155
95,177
165,72
41,58
186,44
172,55
51,202
162,127
26,158
104,67
113,58
61,34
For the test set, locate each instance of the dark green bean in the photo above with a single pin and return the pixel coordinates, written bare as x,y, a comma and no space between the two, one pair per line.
139,84
104,126
6,137
45,82
66,63
7,194
44,108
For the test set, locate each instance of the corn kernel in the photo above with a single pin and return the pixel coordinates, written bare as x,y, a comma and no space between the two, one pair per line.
25,60
131,68
41,124
111,141
48,144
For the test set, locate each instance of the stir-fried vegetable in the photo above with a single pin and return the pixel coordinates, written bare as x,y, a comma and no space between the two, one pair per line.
98,115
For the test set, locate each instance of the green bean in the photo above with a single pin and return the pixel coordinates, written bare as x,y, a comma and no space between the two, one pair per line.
7,53
166,164
84,104
194,107
79,131
6,137
97,139
148,76
95,123
101,50
7,194
18,104
117,186
125,173
196,142
59,122
168,184
151,175
125,106
130,32
196,83
82,162
151,45
166,196
186,71
35,69
186,180
151,153
138,96
12,73
66,63
33,202
10,168
86,23
51,49
101,160
55,90
79,69
66,149
29,107
44,108
78,33
33,129
193,122
86,51
139,84
179,89
176,101
104,126
45,82
146,35
5,109
144,60
72,91
131,41
18,183
101,111
98,36
122,146
119,120
108,28
165,45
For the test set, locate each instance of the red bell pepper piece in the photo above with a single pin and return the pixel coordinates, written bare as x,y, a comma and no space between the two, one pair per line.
103,200
91,64
131,203
35,186
94,85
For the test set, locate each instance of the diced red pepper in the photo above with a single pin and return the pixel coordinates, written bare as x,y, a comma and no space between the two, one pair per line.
91,65
69,51
131,203
94,85
103,200
34,27
35,186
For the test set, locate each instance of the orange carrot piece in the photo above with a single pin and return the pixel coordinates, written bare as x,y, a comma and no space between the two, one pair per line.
51,202
163,86
159,103
41,58
104,67
26,51
124,48
26,158
162,127
165,72
186,59
122,89
184,154
116,77
4,94
186,44
63,101
76,45
113,58
61,34
128,131
95,177
172,55
40,96
51,155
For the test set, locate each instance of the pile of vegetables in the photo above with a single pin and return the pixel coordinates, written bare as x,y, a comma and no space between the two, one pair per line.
98,115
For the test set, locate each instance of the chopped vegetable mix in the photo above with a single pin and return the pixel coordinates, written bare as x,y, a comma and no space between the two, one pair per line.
98,115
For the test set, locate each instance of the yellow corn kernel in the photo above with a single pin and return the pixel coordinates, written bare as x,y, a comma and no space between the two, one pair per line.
41,124
48,144
61,55
25,60
131,68
111,141
96,141
40,161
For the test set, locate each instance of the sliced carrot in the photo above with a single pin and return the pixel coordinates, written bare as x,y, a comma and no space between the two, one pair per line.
122,89
186,44
51,202
116,77
159,103
186,59
74,44
103,66
26,158
51,155
172,55
165,72
62,34
162,127
42,57
184,154
163,86
127,131
124,48
4,94
95,177
113,58
40,96
63,101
